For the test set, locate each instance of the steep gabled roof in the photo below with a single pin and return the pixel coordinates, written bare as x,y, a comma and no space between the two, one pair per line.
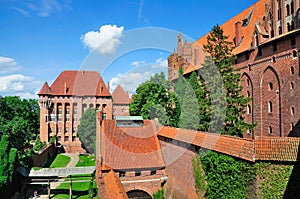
249,17
79,83
120,96
45,90
130,147
113,186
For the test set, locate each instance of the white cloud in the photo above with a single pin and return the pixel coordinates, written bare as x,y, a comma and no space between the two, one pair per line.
14,82
160,63
138,63
19,85
105,41
42,8
8,65
126,81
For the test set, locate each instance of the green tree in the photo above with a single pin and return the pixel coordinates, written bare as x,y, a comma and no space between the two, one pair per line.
189,116
153,99
159,194
8,158
220,51
87,130
200,89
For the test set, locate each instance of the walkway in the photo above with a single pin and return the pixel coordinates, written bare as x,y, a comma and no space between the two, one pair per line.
74,159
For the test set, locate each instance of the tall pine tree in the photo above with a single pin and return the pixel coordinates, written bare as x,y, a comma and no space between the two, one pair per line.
220,51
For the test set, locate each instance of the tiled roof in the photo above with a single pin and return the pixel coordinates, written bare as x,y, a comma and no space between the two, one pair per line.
277,149
130,147
237,147
190,69
254,13
45,90
113,186
79,83
283,149
120,96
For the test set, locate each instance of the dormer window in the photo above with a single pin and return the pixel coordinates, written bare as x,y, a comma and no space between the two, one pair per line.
247,20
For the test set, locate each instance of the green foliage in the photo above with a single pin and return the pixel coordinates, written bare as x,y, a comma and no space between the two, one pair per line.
153,99
8,157
199,175
38,145
52,139
87,130
189,117
85,161
273,179
226,176
159,194
221,56
60,161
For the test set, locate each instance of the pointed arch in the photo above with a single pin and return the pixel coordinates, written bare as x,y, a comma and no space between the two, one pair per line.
270,102
247,91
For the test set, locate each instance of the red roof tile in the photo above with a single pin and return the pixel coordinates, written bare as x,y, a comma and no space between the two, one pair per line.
79,83
114,188
262,148
258,12
254,13
237,147
45,90
277,148
130,147
120,96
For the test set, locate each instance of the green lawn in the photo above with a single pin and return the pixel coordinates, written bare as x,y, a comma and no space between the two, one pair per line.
79,189
60,161
86,161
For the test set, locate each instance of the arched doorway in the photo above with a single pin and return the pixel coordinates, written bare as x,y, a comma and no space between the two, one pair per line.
138,194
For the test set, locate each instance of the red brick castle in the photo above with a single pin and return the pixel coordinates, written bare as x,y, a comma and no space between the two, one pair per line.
267,43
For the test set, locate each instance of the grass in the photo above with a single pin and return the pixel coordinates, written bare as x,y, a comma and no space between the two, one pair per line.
86,161
60,161
79,189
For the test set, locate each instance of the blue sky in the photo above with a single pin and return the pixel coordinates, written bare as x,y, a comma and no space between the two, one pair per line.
41,38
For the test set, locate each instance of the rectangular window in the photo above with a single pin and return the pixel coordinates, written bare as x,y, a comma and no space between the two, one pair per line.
73,138
59,116
74,129
59,138
104,116
67,138
67,130
59,130
121,174
68,114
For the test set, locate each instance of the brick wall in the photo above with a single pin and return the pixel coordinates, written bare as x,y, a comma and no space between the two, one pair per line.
44,155
179,168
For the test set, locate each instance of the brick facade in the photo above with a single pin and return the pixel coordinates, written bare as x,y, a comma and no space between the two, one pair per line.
62,105
268,54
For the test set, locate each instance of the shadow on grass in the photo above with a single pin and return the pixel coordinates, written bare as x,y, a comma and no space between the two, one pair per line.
293,187
57,193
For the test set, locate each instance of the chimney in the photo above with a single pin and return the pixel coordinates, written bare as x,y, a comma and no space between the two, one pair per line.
108,86
238,32
65,88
